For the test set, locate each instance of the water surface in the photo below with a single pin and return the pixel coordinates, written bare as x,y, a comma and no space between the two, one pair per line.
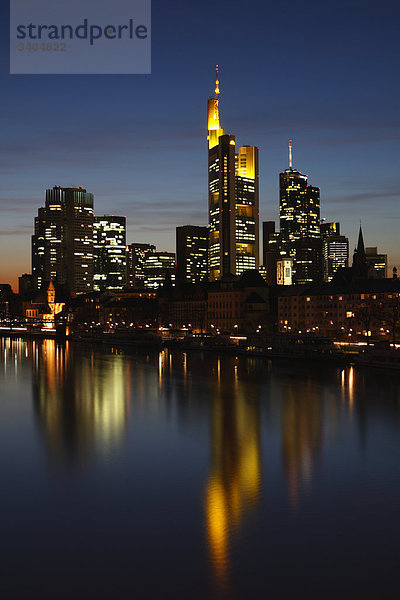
173,475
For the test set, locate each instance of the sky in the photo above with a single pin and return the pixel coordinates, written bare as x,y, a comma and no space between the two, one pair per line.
322,74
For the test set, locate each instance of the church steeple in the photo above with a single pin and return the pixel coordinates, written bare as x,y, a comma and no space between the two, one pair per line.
360,244
360,266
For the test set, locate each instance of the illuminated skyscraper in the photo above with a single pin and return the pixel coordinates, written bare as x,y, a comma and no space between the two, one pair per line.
335,249
109,241
62,245
247,209
191,253
233,199
157,267
300,224
135,259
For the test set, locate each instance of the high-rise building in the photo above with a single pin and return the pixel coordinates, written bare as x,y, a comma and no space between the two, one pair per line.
247,209
377,263
135,259
39,256
62,245
233,199
335,249
300,224
109,242
157,267
271,251
191,253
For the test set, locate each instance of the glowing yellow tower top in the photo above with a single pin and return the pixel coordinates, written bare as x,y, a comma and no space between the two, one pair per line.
214,130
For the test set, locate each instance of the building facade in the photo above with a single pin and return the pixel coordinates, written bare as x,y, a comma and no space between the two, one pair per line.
191,253
377,263
109,244
271,251
300,225
135,259
233,200
158,268
62,244
335,249
366,308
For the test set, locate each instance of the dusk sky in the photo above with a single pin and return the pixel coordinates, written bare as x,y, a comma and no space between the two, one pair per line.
323,74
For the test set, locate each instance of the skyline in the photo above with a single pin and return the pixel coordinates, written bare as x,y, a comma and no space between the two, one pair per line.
138,142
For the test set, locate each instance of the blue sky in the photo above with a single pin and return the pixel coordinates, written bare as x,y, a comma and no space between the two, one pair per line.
324,75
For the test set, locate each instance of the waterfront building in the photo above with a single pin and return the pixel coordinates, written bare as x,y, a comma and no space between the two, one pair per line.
368,307
109,243
233,199
300,224
191,253
239,304
44,308
62,244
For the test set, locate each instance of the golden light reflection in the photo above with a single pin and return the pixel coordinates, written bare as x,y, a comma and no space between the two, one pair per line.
351,389
301,438
234,483
81,404
347,387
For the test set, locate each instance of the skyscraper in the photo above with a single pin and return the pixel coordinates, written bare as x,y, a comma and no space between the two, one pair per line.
271,251
233,199
157,267
62,245
300,224
335,249
135,259
109,242
191,253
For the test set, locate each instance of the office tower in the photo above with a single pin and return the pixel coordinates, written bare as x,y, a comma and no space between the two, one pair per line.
109,243
284,272
299,224
38,249
335,249
191,253
62,245
247,209
377,263
135,259
157,267
233,199
271,251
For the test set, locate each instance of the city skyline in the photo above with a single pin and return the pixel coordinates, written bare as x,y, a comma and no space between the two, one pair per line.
344,129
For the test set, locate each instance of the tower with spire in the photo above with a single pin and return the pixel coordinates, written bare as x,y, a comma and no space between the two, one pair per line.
360,266
233,199
299,213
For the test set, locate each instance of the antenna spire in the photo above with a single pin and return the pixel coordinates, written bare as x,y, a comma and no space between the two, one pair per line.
290,154
216,83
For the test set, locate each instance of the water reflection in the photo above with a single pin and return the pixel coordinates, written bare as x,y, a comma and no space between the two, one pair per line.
81,404
301,436
234,483
187,493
